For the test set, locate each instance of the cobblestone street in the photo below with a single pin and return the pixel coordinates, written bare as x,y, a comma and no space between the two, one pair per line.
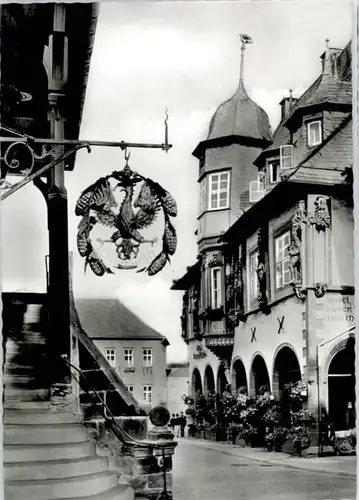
214,472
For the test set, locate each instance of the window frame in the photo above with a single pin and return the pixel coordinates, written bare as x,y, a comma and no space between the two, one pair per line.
130,388
283,156
148,392
309,124
202,195
210,191
259,182
143,357
270,170
282,261
112,362
219,303
126,363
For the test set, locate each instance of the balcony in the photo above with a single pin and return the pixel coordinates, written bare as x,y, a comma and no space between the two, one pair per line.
220,344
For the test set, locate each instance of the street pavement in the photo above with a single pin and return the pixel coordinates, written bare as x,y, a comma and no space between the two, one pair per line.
213,471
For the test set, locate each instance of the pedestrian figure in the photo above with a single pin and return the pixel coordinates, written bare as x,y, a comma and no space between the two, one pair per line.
177,425
183,423
172,422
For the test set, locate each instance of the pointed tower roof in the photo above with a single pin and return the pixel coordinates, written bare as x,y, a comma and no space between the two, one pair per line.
238,117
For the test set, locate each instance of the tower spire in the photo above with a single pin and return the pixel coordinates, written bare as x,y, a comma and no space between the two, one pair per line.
245,39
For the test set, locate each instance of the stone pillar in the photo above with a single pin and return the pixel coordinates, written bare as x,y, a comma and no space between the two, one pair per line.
59,305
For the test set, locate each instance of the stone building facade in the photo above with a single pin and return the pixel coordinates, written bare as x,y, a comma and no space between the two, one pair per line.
270,299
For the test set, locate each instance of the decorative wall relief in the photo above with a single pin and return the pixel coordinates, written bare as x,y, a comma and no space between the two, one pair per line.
200,352
295,251
195,309
321,216
184,316
320,289
262,269
234,286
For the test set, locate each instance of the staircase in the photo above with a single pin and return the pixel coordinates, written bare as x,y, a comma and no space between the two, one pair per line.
47,454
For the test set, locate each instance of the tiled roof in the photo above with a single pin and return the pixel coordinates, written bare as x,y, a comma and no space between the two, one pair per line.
329,87
337,153
109,318
239,116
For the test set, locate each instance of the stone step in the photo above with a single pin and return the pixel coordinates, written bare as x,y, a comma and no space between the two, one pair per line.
120,492
24,395
24,381
27,405
19,369
53,489
54,469
42,452
36,417
44,434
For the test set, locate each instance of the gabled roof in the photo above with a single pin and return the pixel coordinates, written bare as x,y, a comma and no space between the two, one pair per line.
110,319
333,86
316,168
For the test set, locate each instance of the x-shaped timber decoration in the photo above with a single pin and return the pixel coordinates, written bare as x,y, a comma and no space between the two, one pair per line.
280,324
253,330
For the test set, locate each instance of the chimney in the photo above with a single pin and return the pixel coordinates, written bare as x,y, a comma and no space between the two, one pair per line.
287,104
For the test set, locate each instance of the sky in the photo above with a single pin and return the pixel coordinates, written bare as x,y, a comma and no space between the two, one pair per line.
184,56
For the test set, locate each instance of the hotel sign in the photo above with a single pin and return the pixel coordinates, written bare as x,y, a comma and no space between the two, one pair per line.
336,308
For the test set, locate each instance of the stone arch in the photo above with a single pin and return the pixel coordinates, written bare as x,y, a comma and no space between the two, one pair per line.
286,369
222,381
341,385
208,381
196,382
239,376
259,375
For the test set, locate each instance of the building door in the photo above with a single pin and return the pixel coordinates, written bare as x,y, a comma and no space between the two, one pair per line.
341,388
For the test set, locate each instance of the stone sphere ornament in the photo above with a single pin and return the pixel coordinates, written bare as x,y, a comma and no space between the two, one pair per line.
117,212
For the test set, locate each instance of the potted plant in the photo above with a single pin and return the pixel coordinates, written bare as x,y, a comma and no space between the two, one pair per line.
269,441
218,433
279,437
300,439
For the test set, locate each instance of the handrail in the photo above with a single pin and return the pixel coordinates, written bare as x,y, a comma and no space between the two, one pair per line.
120,433
108,415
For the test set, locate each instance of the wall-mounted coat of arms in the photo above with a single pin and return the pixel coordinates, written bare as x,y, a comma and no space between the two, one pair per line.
119,214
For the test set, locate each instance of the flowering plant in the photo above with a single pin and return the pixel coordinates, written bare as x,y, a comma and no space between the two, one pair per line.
297,391
272,415
299,437
264,399
188,400
280,435
304,415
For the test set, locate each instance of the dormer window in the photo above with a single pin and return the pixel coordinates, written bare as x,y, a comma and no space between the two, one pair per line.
286,157
273,171
219,190
314,133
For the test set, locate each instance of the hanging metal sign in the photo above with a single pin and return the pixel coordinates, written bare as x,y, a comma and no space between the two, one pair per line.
119,215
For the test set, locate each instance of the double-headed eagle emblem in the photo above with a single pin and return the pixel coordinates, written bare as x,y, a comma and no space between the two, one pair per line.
137,211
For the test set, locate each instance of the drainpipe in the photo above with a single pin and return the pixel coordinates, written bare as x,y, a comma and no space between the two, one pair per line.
319,416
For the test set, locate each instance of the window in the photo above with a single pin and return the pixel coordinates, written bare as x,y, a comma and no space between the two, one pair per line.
314,133
147,357
283,275
147,394
219,190
253,277
286,160
216,287
202,196
257,188
273,167
130,389
128,358
110,355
